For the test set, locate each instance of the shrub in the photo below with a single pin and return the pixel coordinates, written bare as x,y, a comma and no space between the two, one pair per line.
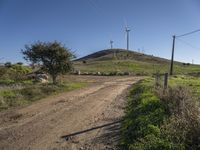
84,61
2,71
152,142
183,126
8,64
14,72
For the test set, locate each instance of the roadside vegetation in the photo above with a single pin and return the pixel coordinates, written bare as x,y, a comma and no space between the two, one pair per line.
191,82
23,94
16,89
21,85
13,73
162,119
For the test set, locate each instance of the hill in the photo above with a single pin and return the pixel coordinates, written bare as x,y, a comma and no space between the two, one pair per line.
121,54
120,60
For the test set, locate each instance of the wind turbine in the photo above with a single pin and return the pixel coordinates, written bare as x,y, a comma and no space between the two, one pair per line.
111,44
127,29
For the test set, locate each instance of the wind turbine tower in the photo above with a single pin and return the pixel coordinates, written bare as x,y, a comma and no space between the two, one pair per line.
127,37
111,44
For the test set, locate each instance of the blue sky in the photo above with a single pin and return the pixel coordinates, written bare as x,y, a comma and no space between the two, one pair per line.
86,26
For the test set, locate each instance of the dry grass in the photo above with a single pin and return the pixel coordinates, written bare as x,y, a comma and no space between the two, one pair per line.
183,125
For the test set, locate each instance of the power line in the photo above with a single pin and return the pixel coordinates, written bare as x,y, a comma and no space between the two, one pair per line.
97,8
185,34
100,11
187,43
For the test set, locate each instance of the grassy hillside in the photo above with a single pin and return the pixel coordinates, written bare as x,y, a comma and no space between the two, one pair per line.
118,60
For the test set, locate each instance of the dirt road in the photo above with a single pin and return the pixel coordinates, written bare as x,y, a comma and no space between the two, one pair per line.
41,125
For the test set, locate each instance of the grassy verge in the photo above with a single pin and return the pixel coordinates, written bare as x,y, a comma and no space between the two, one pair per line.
155,120
193,84
12,97
135,67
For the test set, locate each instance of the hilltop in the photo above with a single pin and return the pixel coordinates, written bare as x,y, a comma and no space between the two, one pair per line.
121,54
121,60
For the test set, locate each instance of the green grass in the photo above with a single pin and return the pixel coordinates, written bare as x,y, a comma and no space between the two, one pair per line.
135,67
154,119
144,115
10,97
192,83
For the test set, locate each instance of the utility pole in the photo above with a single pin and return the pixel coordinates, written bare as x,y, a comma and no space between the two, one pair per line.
111,44
127,37
173,46
172,58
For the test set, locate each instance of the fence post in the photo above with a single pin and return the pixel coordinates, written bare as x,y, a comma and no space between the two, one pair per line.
166,80
157,79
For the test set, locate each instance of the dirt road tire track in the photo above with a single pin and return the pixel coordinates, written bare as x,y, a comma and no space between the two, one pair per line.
41,125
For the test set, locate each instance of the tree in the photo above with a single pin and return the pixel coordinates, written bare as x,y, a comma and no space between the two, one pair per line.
8,64
19,63
53,57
